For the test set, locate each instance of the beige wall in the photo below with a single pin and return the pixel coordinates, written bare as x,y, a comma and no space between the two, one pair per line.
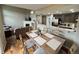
39,19
14,16
2,36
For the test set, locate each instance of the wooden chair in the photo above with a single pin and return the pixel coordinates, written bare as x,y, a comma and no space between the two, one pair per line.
23,33
39,51
30,47
17,33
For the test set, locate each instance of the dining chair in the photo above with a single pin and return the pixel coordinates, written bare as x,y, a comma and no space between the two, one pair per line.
17,32
29,46
39,51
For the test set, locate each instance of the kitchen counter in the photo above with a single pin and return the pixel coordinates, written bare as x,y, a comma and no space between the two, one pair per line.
63,28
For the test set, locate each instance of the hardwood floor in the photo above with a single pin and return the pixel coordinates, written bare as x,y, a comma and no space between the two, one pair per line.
15,46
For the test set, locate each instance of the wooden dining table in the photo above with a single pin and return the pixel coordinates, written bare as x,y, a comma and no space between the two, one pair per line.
47,37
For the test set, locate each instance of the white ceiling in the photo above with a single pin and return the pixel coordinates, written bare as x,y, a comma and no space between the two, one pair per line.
59,8
30,6
49,8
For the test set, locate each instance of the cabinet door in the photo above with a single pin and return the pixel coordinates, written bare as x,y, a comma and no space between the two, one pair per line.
70,18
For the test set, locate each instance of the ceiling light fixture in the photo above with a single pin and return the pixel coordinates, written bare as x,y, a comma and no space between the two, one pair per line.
32,12
72,10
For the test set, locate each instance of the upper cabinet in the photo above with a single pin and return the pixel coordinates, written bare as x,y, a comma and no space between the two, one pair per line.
67,17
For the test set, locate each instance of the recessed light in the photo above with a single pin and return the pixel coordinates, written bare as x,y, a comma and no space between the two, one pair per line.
49,13
72,10
32,12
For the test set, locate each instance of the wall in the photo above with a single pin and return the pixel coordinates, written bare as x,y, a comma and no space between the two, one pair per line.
39,19
14,16
2,36
77,34
34,20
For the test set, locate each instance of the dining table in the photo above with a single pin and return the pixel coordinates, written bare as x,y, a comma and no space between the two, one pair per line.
49,42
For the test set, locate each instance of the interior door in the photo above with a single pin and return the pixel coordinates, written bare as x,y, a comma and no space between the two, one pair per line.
44,19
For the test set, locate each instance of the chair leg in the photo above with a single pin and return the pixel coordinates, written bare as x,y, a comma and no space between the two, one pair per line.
26,50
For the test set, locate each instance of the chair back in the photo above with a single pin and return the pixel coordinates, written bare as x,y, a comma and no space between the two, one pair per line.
39,51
